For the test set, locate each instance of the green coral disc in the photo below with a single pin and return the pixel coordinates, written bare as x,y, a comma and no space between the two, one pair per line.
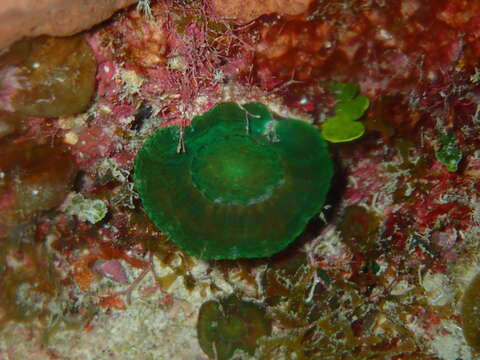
223,171
245,187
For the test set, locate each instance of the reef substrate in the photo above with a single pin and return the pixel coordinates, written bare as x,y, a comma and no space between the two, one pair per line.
380,274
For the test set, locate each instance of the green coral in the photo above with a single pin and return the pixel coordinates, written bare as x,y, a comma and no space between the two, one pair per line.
231,324
245,187
449,154
350,107
91,210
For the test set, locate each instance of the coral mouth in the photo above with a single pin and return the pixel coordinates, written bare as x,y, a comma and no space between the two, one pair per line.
237,171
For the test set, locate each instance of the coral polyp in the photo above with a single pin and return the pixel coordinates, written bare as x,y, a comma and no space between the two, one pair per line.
245,186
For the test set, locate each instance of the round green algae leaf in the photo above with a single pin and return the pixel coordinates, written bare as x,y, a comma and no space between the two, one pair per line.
338,129
230,324
245,187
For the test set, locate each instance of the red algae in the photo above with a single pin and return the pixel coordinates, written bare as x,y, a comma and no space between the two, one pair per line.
194,54
372,45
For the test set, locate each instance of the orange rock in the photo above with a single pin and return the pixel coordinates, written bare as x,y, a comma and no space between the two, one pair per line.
28,18
244,11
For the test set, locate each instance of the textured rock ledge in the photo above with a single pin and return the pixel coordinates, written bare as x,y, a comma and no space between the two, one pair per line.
25,18
245,11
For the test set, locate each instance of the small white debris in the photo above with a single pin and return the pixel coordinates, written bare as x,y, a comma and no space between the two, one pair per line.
70,138
401,288
438,289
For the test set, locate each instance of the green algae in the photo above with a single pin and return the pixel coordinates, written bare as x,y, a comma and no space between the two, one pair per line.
470,312
56,76
350,107
34,291
35,177
449,154
28,289
359,228
91,210
10,123
245,187
230,324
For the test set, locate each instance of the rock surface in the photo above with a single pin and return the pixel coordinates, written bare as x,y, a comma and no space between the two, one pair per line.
29,18
248,10
26,18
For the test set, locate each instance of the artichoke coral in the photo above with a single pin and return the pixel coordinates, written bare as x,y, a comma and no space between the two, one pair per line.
245,186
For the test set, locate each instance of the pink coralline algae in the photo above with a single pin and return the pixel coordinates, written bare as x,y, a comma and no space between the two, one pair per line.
111,269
